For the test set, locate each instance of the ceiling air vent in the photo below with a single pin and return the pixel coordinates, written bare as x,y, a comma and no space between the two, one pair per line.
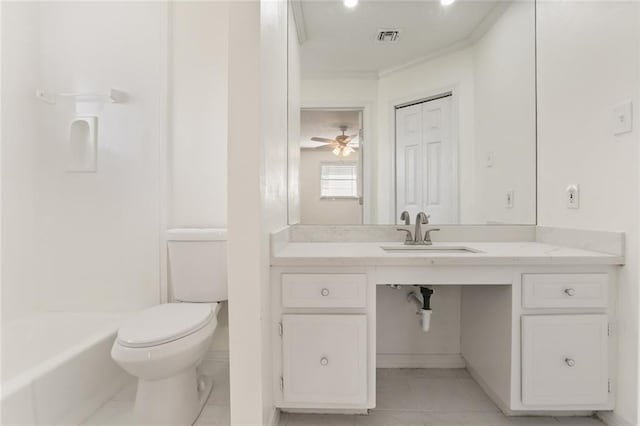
388,36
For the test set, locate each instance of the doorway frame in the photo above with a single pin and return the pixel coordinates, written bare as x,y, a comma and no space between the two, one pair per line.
367,147
416,98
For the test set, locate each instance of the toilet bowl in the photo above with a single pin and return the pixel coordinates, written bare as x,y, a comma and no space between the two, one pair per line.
162,346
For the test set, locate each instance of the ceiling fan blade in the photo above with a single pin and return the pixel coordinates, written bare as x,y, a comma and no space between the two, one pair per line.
325,140
348,139
327,145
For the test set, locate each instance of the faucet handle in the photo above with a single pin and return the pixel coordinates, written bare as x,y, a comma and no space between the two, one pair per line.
408,238
427,235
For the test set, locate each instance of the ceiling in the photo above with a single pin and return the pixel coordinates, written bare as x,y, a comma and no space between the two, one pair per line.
326,124
339,42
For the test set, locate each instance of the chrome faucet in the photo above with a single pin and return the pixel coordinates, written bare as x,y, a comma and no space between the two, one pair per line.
405,216
408,240
421,219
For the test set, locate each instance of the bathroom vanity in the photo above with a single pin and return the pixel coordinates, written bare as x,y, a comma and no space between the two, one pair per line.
537,319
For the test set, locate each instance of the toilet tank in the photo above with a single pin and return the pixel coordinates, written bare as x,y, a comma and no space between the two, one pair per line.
197,264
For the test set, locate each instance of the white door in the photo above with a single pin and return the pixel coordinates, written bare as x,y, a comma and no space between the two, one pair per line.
324,359
426,161
564,360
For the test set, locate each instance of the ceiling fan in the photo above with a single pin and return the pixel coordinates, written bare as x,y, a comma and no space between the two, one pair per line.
341,144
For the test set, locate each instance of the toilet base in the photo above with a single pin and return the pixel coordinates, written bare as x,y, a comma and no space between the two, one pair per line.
176,400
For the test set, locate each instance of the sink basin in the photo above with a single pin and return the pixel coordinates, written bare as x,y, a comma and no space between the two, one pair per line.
436,248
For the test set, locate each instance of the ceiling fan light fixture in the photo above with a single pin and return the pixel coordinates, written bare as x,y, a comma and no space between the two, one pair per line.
347,150
336,151
447,2
350,3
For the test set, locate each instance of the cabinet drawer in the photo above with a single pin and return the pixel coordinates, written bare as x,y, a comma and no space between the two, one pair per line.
564,290
324,290
325,359
564,359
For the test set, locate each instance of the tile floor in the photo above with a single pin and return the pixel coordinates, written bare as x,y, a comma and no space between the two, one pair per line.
443,397
119,410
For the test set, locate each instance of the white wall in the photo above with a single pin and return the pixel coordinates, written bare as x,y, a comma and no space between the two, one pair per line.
198,110
505,118
257,195
316,210
197,141
589,61
20,74
95,236
293,99
400,338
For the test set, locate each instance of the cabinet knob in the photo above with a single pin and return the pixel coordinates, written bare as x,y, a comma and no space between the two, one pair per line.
570,362
570,291
324,292
324,361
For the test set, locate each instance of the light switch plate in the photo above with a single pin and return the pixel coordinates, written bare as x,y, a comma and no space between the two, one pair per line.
622,118
489,159
573,196
508,200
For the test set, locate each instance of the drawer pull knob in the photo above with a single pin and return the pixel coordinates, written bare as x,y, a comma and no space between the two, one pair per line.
570,362
570,291
324,361
324,292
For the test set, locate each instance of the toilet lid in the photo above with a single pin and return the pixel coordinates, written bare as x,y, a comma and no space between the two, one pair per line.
164,323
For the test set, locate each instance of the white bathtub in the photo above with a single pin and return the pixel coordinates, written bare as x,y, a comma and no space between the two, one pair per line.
57,367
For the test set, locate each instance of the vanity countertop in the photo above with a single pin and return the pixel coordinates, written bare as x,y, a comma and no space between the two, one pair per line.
491,254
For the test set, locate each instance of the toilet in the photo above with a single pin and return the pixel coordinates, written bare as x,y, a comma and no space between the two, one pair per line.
163,345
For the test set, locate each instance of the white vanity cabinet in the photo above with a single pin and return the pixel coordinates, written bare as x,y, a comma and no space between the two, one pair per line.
538,338
564,359
324,344
324,358
567,346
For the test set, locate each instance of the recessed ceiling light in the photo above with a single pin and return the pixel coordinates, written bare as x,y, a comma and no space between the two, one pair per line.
350,3
446,2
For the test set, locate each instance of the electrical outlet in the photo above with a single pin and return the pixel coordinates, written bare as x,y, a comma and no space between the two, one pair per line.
508,200
573,196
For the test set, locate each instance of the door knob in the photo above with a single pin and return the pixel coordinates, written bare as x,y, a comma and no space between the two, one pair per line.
570,362
570,291
324,361
324,292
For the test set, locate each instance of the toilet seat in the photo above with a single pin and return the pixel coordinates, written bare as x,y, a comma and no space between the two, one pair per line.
164,323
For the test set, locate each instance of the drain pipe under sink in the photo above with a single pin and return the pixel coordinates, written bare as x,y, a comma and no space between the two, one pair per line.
424,306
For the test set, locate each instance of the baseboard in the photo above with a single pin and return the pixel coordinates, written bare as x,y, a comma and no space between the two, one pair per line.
419,361
610,418
344,412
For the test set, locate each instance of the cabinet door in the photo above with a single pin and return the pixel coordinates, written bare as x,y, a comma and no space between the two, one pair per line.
325,359
564,359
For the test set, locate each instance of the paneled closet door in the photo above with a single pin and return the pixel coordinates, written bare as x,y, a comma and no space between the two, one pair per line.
426,161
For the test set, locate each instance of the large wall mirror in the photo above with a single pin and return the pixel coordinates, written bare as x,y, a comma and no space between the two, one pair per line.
423,105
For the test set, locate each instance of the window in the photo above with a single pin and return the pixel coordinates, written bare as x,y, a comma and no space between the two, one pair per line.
339,180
